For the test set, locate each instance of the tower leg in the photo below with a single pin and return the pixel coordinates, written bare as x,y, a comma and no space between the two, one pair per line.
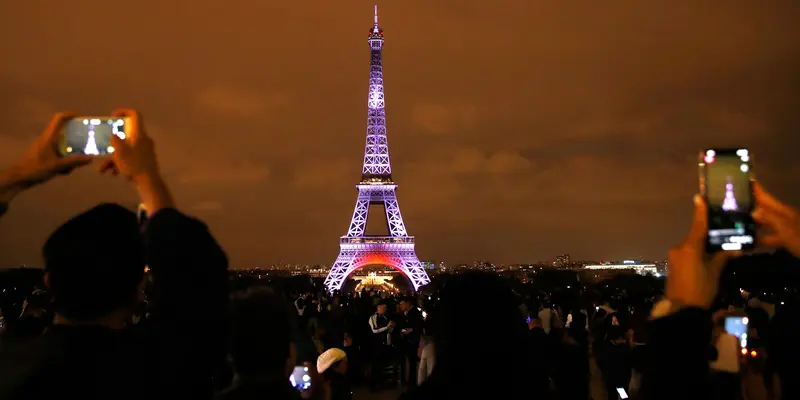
412,267
339,271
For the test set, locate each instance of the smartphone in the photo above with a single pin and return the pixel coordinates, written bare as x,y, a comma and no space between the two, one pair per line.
726,184
622,393
737,326
91,135
300,378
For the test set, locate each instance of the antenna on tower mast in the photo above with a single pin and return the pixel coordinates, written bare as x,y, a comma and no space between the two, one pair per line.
376,16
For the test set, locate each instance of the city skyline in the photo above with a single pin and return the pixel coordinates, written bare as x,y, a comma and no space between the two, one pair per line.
519,130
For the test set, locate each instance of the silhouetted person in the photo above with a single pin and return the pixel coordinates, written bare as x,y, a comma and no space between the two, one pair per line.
333,364
381,355
571,372
94,267
480,345
261,347
410,327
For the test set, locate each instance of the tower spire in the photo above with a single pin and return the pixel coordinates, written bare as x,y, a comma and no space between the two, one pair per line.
377,167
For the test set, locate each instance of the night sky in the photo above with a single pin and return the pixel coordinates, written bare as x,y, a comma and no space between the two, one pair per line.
518,129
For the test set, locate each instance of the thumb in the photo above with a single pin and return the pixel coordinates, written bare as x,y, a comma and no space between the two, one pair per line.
119,145
699,229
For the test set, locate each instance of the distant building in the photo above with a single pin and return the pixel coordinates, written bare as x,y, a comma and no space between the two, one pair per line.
638,267
562,261
428,265
661,267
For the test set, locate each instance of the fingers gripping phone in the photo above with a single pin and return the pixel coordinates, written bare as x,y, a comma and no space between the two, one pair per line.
91,135
726,185
300,378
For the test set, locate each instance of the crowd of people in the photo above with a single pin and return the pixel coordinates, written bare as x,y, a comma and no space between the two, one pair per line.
103,327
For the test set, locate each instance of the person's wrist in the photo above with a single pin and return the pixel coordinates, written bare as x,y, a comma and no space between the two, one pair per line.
145,178
153,191
10,185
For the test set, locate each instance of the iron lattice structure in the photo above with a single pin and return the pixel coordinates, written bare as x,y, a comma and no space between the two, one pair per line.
376,188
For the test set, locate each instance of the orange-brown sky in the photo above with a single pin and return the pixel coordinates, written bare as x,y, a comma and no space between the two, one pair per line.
519,129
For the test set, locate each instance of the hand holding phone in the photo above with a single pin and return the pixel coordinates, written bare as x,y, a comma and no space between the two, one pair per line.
737,325
779,221
726,186
40,162
693,276
300,378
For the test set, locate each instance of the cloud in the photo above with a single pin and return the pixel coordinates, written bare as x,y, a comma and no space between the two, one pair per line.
208,205
34,110
231,101
440,119
589,131
434,184
325,173
225,173
473,161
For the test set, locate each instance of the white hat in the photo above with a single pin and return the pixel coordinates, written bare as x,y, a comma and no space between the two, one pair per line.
328,358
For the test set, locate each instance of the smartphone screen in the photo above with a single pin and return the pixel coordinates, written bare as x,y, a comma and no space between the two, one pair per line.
737,326
622,393
90,135
300,378
725,182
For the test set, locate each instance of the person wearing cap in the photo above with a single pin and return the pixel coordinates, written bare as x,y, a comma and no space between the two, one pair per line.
332,364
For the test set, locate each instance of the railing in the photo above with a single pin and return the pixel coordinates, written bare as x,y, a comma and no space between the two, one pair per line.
377,240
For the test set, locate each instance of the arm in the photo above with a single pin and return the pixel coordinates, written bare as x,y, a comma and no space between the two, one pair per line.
375,329
190,289
422,372
8,190
677,357
38,164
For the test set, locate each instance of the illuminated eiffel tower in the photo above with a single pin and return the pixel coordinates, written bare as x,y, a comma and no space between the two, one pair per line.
376,188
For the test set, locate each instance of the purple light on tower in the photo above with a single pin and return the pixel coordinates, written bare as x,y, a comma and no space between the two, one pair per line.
396,249
729,203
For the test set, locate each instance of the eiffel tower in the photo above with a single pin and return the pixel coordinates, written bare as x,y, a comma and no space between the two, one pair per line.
376,188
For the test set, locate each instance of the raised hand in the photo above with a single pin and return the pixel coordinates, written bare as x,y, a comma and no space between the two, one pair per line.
693,277
778,219
135,159
41,161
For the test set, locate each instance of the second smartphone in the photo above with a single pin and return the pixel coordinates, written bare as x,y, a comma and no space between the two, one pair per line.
726,183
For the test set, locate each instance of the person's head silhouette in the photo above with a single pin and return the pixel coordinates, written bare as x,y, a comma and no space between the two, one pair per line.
94,266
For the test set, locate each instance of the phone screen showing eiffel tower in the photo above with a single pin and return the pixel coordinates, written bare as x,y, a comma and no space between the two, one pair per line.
728,193
90,135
